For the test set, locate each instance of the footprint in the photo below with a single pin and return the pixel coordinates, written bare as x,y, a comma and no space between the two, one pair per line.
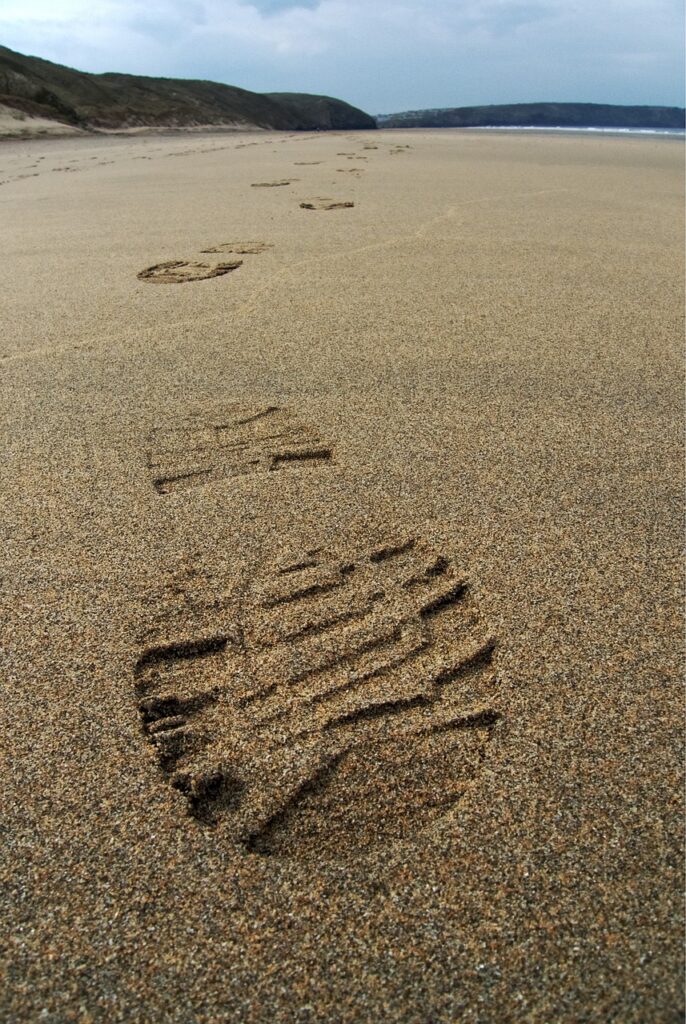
241,248
325,204
273,184
237,441
181,271
346,699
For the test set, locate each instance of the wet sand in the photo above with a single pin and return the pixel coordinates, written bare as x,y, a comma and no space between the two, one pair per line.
341,604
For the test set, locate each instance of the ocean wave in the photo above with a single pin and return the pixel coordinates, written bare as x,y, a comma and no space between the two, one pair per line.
676,132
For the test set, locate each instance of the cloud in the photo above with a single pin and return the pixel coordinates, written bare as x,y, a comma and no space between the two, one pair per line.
277,6
383,55
503,18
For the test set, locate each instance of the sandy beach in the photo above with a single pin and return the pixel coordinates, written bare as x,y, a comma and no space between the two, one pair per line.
341,639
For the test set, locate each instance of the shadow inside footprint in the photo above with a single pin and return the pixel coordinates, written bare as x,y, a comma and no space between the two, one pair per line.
325,205
272,184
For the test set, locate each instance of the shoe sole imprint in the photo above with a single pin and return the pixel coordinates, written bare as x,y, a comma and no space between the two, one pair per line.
348,701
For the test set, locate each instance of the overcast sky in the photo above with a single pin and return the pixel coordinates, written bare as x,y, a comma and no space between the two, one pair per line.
382,55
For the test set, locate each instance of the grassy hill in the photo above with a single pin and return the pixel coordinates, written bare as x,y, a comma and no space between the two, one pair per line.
541,115
322,111
40,88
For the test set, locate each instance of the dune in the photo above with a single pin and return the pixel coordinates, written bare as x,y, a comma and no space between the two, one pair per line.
17,122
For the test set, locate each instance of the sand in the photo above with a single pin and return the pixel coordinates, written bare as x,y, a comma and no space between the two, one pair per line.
341,605
17,123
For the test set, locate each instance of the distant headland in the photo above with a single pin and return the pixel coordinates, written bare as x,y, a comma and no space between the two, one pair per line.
539,115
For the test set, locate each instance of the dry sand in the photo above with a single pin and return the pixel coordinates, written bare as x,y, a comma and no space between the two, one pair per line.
14,122
342,592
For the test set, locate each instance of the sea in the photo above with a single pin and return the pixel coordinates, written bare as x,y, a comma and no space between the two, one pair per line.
677,133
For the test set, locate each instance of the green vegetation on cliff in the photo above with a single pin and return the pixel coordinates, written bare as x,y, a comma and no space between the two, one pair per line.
110,101
322,111
538,115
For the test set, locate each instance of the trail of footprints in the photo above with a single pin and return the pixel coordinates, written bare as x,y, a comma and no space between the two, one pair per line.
178,271
347,700
348,696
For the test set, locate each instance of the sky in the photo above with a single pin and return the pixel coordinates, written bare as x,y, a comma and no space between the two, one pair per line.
381,55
